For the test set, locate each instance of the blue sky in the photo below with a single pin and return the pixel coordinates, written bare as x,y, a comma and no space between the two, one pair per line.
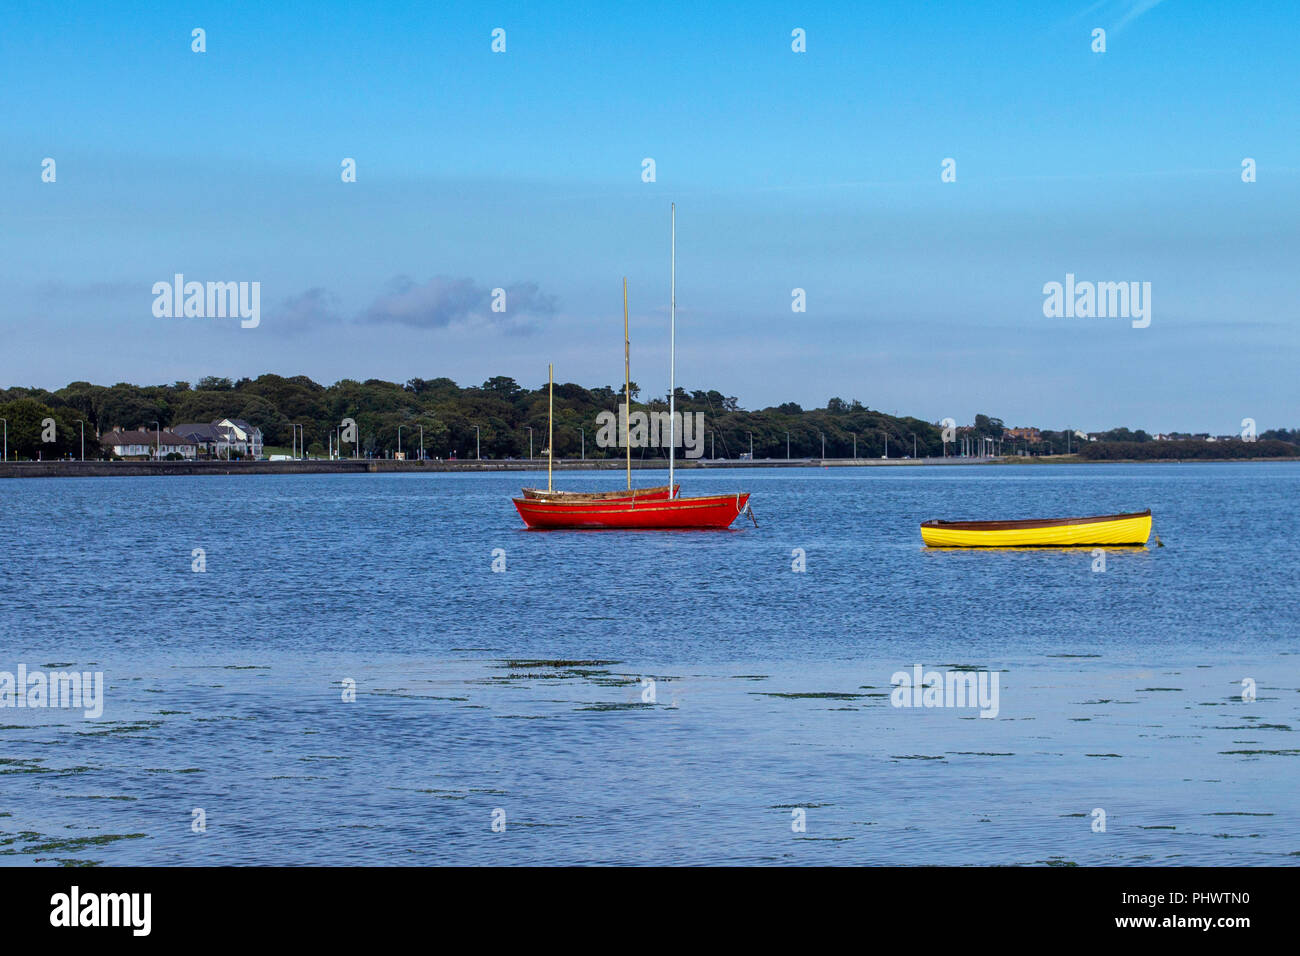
522,170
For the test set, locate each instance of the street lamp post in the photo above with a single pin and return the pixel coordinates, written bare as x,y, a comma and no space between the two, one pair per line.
83,438
399,439
855,446
530,441
421,443
751,445
584,442
477,453
6,421
157,442
787,446
823,446
913,434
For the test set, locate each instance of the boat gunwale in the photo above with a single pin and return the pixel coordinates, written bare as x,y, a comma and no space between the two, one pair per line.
558,495
1030,522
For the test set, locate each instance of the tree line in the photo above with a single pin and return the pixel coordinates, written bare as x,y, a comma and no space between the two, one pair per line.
1188,450
503,411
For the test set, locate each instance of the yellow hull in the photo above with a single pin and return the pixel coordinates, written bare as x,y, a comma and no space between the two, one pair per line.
1072,532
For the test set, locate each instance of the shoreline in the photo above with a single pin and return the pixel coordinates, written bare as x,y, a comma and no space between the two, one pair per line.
352,466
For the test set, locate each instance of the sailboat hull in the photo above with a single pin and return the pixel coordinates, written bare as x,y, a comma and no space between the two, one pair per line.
1120,529
706,511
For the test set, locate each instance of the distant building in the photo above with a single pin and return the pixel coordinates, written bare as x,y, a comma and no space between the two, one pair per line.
243,437
1031,435
224,438
144,444
204,437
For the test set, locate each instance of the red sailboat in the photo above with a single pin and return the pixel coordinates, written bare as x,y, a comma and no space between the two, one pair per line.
703,511
660,508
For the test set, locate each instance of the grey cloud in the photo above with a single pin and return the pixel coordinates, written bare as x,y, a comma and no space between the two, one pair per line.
442,301
309,309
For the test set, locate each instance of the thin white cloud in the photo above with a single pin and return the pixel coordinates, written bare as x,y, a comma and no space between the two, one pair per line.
1135,10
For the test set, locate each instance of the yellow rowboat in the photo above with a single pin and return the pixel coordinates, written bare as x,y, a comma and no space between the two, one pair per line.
1120,529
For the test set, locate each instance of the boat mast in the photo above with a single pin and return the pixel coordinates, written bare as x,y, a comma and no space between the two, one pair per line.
550,422
672,359
627,402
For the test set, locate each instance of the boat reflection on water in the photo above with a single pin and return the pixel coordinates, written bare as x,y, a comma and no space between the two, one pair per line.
1070,550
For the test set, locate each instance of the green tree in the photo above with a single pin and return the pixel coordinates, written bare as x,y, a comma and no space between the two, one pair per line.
29,423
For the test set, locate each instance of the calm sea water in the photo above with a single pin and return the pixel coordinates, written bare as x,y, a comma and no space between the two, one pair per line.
522,693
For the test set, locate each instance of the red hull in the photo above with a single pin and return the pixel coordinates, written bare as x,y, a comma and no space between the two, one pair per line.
707,511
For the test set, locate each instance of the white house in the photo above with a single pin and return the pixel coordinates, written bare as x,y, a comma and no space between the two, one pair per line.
242,437
220,439
142,443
